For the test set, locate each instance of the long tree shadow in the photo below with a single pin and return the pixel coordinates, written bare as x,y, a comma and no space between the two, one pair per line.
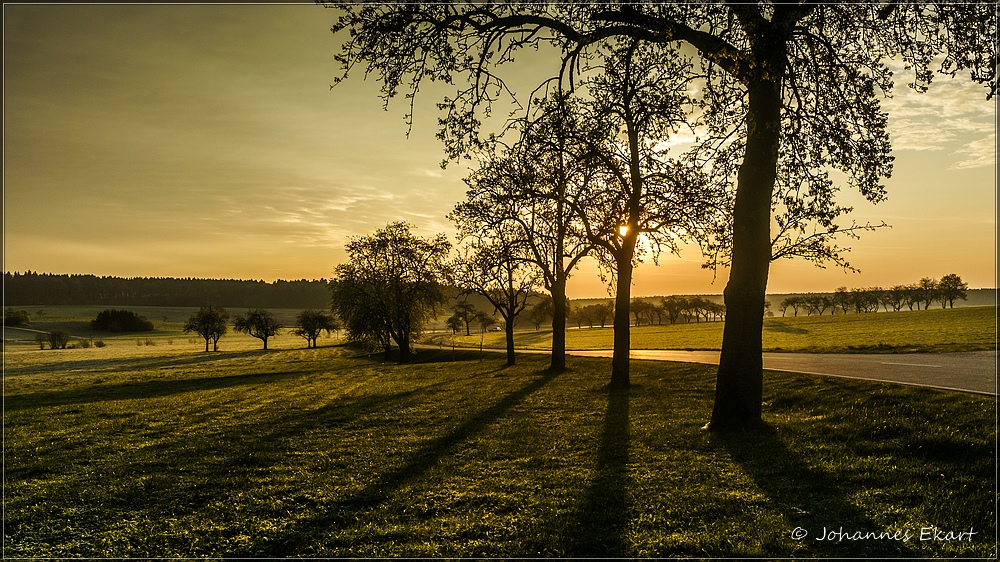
604,514
381,488
141,390
809,498
98,365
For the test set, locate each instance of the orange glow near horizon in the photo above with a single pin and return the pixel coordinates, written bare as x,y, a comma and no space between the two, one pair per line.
134,151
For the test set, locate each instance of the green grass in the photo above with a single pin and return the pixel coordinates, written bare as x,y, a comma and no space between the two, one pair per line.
935,330
168,452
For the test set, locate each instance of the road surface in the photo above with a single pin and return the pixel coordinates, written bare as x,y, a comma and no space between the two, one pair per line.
974,371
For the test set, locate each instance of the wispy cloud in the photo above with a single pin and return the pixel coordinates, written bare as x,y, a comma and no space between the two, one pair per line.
977,154
952,111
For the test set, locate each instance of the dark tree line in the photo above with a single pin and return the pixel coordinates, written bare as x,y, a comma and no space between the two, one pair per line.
33,288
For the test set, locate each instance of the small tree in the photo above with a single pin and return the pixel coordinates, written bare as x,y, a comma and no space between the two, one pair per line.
310,323
541,312
210,323
258,323
455,323
58,339
466,312
928,290
951,287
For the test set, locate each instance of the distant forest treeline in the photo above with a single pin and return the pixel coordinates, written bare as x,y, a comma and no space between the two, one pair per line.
32,288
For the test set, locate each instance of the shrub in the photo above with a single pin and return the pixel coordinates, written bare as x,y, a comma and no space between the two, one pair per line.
15,318
40,339
99,343
85,344
112,320
58,339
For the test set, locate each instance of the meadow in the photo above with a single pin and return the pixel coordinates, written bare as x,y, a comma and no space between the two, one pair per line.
935,330
166,451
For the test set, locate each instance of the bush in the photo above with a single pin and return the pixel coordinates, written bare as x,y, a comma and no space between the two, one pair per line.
58,339
15,318
85,344
99,343
112,320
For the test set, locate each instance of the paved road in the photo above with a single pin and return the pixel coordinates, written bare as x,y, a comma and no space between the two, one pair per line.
974,371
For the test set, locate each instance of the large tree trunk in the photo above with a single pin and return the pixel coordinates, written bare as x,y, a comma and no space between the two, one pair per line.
558,325
404,349
622,343
740,379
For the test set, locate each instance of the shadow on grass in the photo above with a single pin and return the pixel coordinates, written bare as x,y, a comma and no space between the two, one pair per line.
98,365
381,488
781,327
604,513
140,390
808,498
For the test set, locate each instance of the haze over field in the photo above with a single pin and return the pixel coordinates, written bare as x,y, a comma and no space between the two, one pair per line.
205,141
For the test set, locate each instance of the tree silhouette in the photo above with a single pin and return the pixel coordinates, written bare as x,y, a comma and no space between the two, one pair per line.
790,91
311,323
465,312
496,265
258,323
210,323
390,286
528,188
950,288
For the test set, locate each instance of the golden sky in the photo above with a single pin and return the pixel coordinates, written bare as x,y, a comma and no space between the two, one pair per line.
205,141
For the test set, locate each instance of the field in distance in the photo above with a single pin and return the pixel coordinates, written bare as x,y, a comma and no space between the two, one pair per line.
934,330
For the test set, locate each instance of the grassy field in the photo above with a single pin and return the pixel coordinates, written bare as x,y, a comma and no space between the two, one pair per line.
935,330
129,451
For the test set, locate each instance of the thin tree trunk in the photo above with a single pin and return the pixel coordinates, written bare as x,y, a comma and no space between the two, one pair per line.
740,378
558,325
509,329
622,342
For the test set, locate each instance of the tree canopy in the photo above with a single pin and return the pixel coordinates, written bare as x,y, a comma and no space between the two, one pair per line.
258,323
390,286
210,323
311,323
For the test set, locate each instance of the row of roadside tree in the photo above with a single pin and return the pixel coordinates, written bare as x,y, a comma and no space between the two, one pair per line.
860,300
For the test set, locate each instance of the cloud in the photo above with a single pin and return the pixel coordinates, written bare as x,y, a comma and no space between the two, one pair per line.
952,111
977,154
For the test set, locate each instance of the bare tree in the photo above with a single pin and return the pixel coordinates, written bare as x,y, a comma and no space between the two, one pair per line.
210,323
790,90
950,288
495,264
258,323
311,323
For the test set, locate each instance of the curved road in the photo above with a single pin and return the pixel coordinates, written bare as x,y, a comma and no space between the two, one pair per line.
974,371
